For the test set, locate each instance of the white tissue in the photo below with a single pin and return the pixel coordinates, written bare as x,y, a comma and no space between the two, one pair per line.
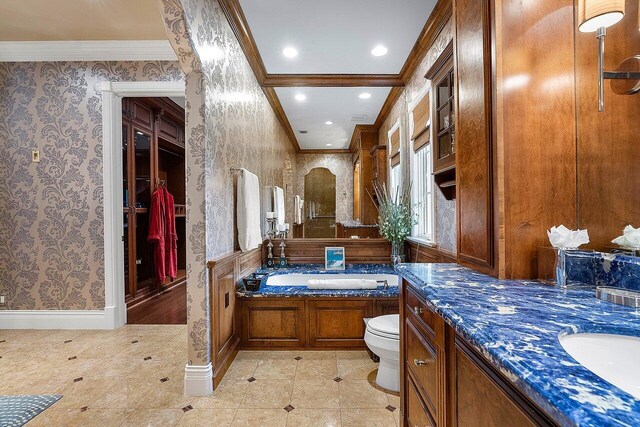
563,238
630,238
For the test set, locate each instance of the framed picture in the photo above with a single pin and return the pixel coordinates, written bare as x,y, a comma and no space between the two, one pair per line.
334,259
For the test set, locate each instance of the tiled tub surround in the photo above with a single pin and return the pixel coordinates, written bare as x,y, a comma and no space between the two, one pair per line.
516,324
604,269
317,269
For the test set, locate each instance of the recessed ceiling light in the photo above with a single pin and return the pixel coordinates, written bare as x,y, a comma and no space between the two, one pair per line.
379,50
328,122
364,95
290,52
300,97
329,145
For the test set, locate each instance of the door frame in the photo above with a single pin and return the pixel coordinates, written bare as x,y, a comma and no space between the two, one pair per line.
112,94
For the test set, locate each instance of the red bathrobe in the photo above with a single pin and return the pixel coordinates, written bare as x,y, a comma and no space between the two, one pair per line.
162,234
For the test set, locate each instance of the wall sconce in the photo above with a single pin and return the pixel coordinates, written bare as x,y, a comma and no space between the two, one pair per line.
598,15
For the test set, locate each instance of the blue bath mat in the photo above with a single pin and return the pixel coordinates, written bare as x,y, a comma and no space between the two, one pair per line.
18,410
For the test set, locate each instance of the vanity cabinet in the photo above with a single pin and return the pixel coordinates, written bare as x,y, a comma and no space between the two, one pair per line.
447,382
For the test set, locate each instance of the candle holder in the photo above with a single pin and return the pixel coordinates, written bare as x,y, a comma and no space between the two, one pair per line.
282,263
271,234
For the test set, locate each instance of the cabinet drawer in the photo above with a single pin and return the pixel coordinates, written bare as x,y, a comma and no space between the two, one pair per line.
417,413
427,317
422,360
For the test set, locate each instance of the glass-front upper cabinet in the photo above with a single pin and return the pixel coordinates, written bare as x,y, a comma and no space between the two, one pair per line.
445,147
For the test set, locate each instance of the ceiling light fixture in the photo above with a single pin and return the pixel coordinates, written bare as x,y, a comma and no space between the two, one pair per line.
328,122
379,50
300,97
329,145
364,95
290,52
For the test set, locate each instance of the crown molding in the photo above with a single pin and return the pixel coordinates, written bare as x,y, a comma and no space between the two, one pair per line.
332,80
441,13
272,97
322,151
89,50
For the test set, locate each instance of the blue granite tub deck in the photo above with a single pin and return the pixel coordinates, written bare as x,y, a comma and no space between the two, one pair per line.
516,324
303,291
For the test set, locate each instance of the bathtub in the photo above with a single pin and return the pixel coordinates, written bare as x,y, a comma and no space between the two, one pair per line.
301,279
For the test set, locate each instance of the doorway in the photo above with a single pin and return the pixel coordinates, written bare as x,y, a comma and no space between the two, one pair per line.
320,201
154,210
113,180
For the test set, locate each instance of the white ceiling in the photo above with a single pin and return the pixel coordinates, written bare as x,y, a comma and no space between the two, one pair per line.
336,104
45,20
335,36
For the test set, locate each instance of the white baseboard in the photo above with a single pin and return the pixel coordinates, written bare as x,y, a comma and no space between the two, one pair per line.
60,319
198,380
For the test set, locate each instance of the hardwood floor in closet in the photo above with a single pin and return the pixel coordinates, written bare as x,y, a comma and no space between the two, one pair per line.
166,308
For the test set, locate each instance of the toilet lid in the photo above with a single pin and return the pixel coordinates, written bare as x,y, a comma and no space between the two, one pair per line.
388,324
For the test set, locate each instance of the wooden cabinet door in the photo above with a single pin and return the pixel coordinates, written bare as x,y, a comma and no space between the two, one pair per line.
417,413
277,323
481,397
473,136
337,323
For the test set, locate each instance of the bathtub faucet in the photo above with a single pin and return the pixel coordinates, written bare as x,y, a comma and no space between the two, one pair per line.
385,284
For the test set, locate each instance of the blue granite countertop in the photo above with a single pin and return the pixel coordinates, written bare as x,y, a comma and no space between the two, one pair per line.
516,324
303,291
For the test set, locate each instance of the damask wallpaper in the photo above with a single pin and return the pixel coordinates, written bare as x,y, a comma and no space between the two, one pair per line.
445,221
230,125
51,212
342,167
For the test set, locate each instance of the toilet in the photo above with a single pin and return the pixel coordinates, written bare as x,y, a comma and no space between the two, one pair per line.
382,336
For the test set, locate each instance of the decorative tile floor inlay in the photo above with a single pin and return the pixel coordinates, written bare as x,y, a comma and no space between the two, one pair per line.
119,388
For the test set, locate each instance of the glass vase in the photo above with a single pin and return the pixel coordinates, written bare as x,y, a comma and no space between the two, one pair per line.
397,253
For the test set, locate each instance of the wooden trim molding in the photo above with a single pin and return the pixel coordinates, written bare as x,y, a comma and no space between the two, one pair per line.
238,22
442,60
320,151
270,93
432,28
357,251
333,80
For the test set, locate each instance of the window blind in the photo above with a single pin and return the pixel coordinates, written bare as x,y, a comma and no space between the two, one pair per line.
421,116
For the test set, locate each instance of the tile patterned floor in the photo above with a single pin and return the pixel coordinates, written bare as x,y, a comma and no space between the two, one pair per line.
134,377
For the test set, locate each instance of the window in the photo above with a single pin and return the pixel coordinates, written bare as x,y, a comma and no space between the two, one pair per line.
422,166
395,177
422,193
395,180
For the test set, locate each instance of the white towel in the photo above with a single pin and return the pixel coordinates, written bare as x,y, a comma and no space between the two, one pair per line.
299,210
278,204
342,284
248,211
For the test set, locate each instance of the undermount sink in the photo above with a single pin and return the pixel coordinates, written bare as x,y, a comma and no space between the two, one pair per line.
613,358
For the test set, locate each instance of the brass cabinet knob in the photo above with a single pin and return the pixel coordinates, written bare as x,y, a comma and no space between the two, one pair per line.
417,310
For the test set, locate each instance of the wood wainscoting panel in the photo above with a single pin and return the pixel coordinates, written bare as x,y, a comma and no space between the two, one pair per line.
274,322
473,124
338,323
423,253
224,330
357,251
